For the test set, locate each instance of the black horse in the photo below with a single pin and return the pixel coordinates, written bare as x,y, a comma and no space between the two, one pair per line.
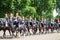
41,27
14,26
6,26
22,27
34,28
1,25
29,26
52,25
57,25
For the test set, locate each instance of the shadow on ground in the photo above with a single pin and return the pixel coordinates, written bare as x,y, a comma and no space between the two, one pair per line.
6,37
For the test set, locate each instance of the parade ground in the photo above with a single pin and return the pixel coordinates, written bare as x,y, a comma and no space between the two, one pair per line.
49,36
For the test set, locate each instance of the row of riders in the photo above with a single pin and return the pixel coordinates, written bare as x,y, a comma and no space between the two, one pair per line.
23,26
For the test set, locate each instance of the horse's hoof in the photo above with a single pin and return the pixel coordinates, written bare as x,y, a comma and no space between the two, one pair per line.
34,33
26,34
22,34
15,36
57,31
39,33
4,36
51,32
30,34
45,32
42,32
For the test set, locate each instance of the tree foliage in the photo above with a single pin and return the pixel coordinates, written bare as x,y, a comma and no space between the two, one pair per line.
36,8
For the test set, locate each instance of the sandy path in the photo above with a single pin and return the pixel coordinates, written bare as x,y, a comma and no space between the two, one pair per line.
50,36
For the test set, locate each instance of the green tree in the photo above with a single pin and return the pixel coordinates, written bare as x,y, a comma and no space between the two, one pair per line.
36,8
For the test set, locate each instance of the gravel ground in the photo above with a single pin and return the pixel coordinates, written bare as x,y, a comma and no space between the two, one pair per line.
50,36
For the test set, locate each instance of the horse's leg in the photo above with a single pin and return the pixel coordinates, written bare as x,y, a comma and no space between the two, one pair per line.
35,30
9,32
57,29
51,29
16,32
4,33
28,29
20,31
12,32
42,30
23,32
39,29
46,30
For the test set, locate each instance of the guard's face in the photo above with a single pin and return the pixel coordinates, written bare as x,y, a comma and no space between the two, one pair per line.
23,18
52,20
30,17
58,19
11,15
43,19
17,14
35,18
6,15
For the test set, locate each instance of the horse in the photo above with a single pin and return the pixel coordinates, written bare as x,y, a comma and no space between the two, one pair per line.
14,26
46,29
21,27
52,25
34,28
1,25
47,26
57,24
6,26
41,27
29,26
